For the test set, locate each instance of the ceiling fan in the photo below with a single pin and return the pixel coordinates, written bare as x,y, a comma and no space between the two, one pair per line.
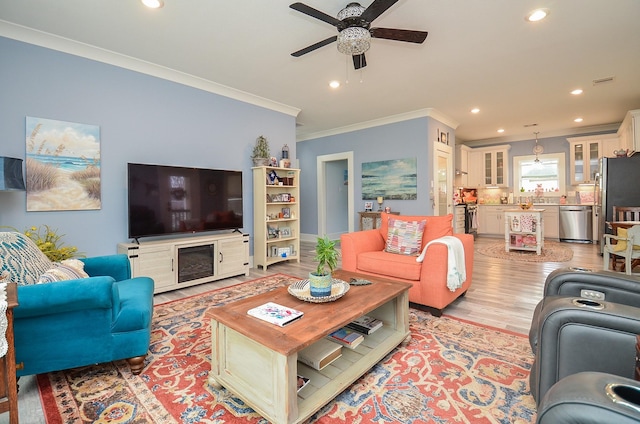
354,29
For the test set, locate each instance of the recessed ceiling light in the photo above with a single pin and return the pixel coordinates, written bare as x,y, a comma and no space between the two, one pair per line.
577,120
537,15
475,110
153,4
501,130
334,84
577,91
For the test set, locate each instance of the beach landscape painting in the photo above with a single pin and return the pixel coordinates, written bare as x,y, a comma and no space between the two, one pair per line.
62,165
395,179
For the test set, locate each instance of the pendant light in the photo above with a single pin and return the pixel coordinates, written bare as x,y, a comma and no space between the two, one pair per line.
537,149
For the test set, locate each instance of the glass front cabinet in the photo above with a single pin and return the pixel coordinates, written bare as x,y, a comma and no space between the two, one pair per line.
489,166
584,156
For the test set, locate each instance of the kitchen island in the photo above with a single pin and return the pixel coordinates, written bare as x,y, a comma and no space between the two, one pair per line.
524,230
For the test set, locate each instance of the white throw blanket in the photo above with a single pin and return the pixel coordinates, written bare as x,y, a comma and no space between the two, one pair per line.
456,270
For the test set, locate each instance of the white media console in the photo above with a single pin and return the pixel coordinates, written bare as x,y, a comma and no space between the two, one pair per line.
183,262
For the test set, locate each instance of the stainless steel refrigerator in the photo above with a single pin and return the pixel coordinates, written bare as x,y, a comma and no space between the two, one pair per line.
617,184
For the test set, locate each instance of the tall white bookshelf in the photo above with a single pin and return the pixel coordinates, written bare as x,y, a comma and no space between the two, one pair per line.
276,215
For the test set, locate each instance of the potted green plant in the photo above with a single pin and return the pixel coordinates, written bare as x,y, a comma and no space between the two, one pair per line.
327,257
261,153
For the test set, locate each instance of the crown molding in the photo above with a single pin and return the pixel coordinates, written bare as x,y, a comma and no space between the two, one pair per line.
420,113
605,128
65,45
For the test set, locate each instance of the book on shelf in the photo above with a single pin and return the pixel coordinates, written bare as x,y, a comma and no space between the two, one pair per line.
320,354
365,324
346,337
275,314
302,381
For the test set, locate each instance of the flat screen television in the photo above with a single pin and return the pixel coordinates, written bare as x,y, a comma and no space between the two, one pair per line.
165,200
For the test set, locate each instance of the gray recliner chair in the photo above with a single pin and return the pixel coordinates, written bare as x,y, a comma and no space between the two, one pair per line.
577,335
581,282
586,321
591,398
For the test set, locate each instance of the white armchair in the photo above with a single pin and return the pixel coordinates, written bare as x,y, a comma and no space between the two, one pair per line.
626,245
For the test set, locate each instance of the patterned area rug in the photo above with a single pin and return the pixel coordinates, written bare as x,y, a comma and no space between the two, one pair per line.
450,371
551,252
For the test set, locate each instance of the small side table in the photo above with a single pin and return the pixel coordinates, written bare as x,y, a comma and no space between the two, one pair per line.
8,383
371,220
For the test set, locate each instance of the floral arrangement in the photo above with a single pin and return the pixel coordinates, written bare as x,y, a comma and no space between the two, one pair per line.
50,243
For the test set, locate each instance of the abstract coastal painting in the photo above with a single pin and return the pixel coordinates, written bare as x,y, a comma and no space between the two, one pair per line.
392,179
62,166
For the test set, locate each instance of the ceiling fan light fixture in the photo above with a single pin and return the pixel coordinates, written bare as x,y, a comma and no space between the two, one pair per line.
354,41
352,10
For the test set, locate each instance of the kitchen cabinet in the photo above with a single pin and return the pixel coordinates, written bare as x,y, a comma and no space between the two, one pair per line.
583,159
491,219
489,166
584,153
629,131
551,219
610,145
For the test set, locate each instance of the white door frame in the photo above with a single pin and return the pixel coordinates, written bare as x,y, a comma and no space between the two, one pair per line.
442,150
322,189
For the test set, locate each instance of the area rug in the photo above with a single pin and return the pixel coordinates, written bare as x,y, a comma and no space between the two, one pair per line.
450,371
551,252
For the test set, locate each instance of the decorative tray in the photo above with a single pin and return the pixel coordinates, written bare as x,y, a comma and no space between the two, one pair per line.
301,290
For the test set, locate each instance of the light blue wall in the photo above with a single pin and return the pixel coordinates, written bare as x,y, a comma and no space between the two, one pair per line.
406,139
142,119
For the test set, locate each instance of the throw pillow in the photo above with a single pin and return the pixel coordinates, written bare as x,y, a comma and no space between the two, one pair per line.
69,269
436,226
21,259
622,244
405,237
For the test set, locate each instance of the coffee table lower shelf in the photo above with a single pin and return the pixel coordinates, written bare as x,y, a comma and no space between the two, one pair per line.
266,379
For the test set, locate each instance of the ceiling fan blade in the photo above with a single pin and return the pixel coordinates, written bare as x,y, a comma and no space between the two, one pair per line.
359,61
314,13
377,8
314,46
410,36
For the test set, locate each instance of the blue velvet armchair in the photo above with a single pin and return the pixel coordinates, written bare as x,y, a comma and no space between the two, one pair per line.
77,322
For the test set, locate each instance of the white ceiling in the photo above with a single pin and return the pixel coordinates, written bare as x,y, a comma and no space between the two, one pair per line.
478,54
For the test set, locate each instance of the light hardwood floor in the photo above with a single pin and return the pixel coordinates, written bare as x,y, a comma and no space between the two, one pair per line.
503,294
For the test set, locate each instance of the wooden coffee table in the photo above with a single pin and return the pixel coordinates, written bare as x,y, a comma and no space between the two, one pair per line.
257,361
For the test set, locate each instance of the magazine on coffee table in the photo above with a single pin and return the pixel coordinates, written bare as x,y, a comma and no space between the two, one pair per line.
275,314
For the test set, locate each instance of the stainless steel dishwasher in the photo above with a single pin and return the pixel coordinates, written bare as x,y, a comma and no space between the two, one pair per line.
576,224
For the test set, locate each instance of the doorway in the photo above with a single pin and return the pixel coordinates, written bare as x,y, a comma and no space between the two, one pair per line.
335,202
442,183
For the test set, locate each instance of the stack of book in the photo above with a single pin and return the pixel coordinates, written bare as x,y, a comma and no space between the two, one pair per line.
365,324
346,337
